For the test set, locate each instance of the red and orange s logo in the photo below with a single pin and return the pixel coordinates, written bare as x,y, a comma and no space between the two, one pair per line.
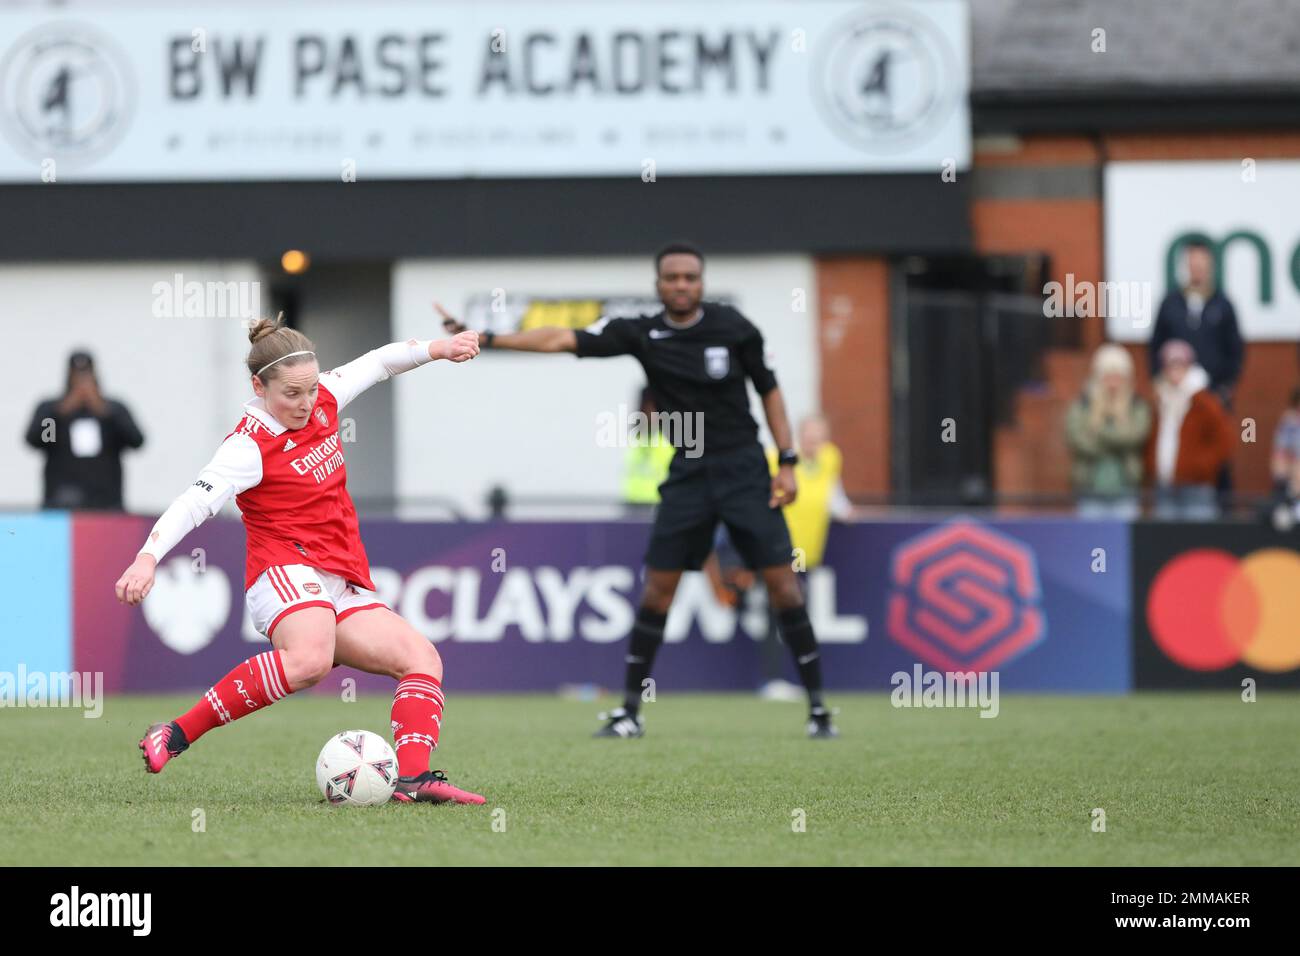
965,597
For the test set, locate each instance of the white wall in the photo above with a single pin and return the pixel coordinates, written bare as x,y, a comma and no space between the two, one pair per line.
182,378
528,422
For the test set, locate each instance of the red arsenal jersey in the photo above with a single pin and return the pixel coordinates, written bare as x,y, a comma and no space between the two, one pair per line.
290,484
301,512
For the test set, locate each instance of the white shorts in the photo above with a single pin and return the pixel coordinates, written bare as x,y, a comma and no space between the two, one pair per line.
283,589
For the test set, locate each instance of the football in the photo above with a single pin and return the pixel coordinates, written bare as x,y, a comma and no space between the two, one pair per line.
356,767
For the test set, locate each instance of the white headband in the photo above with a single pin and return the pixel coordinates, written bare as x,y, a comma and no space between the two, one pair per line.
282,358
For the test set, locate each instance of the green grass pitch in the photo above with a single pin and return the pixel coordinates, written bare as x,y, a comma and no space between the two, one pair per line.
1200,779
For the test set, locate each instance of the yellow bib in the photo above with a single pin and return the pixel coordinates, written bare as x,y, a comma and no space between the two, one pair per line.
809,517
645,469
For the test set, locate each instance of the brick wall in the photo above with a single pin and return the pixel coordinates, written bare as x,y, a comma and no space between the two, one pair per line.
853,294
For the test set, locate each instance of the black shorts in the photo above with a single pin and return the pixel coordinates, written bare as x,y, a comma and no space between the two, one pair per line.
733,487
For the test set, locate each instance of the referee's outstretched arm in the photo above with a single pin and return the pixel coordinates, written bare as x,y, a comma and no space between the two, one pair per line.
548,339
551,338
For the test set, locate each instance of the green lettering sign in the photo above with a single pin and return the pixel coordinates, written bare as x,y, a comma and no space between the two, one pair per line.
1219,248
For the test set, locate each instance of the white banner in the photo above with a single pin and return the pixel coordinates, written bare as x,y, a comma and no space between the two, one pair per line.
389,90
1248,211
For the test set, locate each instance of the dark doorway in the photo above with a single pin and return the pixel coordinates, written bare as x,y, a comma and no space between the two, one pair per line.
967,333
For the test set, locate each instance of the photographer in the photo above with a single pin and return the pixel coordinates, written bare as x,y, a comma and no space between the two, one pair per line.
83,435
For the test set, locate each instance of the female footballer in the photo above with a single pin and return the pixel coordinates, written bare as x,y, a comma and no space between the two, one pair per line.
306,576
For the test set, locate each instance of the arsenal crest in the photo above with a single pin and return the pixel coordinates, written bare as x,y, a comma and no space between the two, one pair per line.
322,418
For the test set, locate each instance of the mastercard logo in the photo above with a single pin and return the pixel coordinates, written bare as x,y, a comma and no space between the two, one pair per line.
1208,609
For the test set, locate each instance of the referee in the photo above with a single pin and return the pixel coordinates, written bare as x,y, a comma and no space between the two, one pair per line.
697,356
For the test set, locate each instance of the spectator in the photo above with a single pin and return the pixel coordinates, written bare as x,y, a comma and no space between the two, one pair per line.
1106,428
649,454
83,435
1201,315
1191,439
820,496
1285,460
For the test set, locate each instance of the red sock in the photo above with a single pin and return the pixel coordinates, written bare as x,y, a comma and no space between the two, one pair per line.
254,684
417,718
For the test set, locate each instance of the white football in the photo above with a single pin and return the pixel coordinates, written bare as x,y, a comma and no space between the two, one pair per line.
357,767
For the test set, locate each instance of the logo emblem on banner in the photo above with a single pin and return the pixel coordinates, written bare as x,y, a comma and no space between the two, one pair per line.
65,93
187,609
1209,609
965,597
886,78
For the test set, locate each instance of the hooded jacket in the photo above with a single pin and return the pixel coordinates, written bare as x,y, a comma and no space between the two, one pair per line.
1190,437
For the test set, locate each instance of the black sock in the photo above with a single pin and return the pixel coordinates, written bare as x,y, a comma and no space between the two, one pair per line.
647,635
797,631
